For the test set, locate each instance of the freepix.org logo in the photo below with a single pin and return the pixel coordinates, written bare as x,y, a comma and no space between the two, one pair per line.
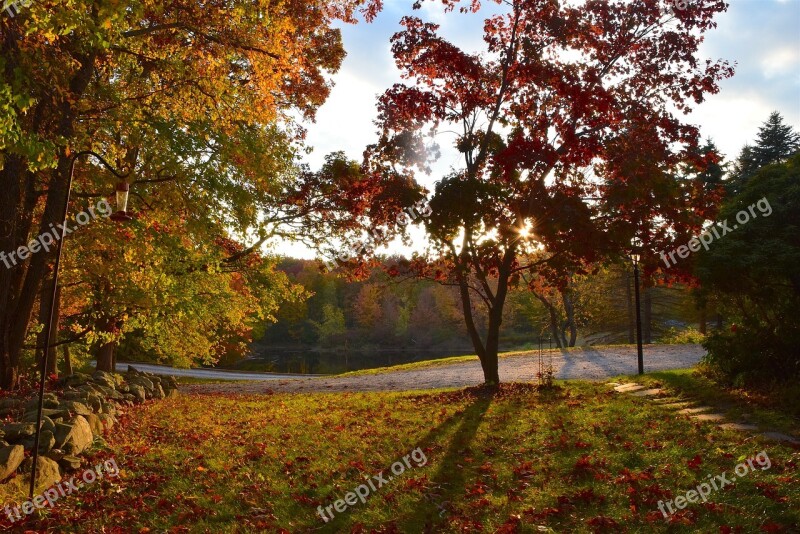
13,7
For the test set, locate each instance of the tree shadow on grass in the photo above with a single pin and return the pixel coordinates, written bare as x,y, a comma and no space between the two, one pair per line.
446,484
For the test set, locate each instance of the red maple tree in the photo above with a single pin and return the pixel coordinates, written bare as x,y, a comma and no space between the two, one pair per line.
570,141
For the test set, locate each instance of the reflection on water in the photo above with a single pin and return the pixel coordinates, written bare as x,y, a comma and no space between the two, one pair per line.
328,362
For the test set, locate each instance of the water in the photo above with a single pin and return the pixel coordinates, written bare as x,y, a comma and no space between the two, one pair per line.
330,362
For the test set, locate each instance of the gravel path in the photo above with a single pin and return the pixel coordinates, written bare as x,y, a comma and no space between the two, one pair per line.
586,363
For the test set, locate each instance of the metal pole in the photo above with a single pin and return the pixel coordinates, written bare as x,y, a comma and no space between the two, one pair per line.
638,319
49,327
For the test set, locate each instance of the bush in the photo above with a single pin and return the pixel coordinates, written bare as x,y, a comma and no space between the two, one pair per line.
752,355
673,336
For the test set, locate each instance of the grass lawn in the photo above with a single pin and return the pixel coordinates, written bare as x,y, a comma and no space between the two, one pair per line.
576,459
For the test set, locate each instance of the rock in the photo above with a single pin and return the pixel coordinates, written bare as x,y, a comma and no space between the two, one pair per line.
132,370
158,392
56,454
95,424
105,379
78,408
47,473
46,442
138,393
10,459
76,432
172,393
70,463
75,379
108,408
49,399
47,422
146,383
18,431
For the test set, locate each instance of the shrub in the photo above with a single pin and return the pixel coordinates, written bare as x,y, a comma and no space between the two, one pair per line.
673,336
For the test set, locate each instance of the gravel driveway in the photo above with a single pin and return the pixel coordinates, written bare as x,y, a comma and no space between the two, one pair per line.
584,363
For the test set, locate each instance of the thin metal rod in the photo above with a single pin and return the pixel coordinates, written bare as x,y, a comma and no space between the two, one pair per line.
639,351
49,327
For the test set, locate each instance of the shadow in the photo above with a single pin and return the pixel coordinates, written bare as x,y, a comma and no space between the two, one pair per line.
587,356
446,484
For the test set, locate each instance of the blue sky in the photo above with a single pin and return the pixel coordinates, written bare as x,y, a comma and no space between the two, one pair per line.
761,36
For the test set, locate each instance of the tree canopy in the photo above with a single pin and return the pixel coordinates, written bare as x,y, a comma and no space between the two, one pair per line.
568,138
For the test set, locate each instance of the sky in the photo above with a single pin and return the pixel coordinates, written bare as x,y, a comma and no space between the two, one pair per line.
761,37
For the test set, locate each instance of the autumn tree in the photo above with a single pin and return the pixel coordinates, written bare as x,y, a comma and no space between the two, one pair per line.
179,93
569,141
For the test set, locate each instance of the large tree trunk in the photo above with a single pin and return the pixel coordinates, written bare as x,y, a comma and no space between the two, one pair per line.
488,352
20,284
105,357
491,372
105,354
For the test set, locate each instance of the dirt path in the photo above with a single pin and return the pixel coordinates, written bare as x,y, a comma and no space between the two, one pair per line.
588,363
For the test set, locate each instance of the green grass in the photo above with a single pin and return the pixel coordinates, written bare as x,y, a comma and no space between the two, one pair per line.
461,359
579,458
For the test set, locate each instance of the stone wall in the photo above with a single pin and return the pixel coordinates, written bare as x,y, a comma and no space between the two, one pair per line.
79,410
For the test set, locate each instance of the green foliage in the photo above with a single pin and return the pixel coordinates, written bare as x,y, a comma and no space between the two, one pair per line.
776,143
674,336
754,273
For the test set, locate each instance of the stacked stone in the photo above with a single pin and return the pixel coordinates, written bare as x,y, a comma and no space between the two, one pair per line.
72,419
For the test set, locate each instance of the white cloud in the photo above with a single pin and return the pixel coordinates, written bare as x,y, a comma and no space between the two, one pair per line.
781,62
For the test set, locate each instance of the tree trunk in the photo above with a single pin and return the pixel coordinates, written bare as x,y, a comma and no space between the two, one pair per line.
554,322
569,308
105,354
67,361
491,372
105,357
469,321
21,282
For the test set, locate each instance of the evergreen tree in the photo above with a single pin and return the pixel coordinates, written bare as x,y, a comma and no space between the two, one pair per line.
776,143
714,172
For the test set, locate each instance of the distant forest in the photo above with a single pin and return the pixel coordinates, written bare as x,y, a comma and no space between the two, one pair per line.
383,312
